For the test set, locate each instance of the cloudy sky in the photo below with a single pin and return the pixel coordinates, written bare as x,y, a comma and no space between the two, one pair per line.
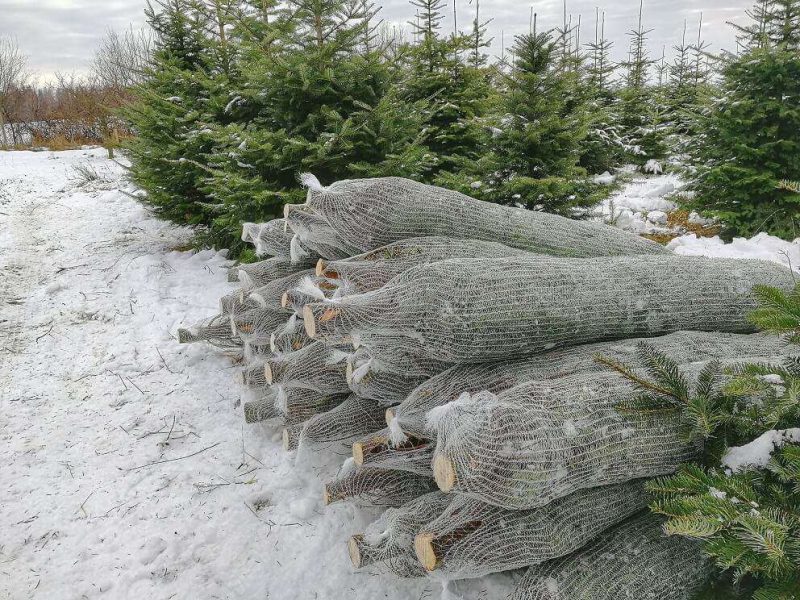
61,35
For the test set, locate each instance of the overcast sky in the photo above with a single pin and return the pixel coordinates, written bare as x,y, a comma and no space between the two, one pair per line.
61,35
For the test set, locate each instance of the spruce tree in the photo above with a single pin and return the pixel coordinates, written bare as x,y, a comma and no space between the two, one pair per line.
750,142
172,106
640,112
314,97
536,143
441,71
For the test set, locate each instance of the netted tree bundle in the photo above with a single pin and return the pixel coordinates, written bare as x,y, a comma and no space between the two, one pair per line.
387,545
270,239
271,295
233,303
289,337
377,450
260,410
215,331
372,270
546,439
375,486
371,374
257,325
472,539
296,298
477,310
370,213
291,436
353,418
261,273
315,234
298,405
681,347
316,366
632,561
253,374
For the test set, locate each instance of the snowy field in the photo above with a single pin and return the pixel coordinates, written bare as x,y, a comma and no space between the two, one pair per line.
125,468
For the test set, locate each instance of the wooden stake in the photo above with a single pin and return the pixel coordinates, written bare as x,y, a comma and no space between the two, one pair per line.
285,300
308,322
348,373
286,441
423,546
320,267
268,373
354,549
444,472
391,414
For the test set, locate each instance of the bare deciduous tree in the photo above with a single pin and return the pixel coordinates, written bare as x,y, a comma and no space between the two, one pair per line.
13,76
121,60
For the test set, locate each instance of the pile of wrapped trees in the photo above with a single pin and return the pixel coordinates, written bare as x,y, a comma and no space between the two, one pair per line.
451,344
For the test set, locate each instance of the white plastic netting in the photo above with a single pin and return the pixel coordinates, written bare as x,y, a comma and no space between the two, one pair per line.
270,239
376,486
353,418
632,561
379,450
316,366
315,234
545,439
215,331
472,539
478,310
682,347
261,410
388,379
387,544
257,325
289,337
253,374
258,274
299,404
271,295
370,213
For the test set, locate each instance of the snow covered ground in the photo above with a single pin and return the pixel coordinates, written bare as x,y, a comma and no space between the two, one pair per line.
643,206
125,468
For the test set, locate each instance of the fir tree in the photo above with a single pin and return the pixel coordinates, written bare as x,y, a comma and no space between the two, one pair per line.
318,102
750,142
536,144
603,148
640,113
456,93
173,105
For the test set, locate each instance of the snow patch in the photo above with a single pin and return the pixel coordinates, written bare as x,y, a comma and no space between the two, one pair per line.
758,453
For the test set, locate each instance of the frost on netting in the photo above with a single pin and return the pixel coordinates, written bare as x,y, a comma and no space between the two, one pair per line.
632,561
477,310
370,213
